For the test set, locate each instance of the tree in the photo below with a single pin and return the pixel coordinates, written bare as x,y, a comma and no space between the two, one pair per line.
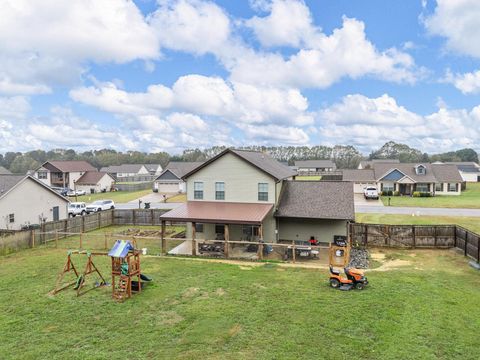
393,150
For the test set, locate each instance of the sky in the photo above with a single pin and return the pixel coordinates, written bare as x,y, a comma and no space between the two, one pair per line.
170,75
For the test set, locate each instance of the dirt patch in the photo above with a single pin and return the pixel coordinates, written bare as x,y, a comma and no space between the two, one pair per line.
245,267
168,318
234,330
220,292
147,233
190,292
392,265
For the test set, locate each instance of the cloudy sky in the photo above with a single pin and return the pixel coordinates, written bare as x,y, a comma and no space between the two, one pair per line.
174,74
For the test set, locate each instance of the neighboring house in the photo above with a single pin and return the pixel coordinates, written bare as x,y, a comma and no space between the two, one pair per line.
24,200
470,171
154,169
170,180
62,173
314,166
368,164
96,180
126,170
4,171
407,178
248,195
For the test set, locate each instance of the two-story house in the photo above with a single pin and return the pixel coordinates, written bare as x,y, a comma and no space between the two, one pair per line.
247,195
62,173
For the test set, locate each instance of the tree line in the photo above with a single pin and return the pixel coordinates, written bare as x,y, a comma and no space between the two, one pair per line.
344,156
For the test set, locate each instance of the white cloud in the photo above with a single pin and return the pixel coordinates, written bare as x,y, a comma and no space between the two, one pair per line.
191,25
274,134
210,96
15,107
457,21
45,43
468,83
366,122
325,60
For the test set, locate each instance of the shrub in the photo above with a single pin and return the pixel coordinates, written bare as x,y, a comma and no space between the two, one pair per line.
387,193
396,193
425,194
416,194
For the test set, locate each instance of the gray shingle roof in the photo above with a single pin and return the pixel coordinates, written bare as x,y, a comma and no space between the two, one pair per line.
382,169
315,164
369,163
70,165
358,175
317,200
4,171
91,177
180,168
468,167
262,161
447,173
9,181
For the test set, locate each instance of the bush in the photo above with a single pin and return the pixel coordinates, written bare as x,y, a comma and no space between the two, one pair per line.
387,193
416,194
425,194
421,194
396,193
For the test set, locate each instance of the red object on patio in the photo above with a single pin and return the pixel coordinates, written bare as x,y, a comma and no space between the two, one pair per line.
219,212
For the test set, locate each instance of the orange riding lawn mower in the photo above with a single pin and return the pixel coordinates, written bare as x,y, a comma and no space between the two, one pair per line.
355,279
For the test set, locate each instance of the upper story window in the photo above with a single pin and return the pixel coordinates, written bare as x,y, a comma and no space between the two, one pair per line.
262,192
11,218
219,191
420,170
198,190
42,174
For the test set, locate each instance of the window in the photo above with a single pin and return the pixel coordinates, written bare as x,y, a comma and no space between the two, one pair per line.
421,170
198,228
42,174
219,191
11,218
452,187
262,192
198,190
439,187
423,187
387,187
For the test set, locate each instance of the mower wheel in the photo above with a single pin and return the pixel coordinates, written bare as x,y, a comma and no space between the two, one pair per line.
359,286
334,283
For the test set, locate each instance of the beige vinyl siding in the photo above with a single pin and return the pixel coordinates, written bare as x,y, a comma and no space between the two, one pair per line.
28,201
105,182
322,230
241,181
446,192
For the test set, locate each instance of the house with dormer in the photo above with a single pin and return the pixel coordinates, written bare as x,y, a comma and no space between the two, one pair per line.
407,178
248,196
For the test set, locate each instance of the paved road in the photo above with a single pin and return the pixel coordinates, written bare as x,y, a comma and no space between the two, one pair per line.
417,211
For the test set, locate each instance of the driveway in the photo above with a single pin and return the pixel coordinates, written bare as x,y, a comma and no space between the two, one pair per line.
360,200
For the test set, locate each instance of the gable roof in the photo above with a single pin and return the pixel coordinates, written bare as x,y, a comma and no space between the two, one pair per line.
257,159
9,182
179,168
315,164
358,175
468,167
68,165
124,168
4,171
153,167
447,173
317,200
382,169
92,177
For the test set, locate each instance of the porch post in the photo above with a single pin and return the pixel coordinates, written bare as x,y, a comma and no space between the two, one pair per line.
162,238
226,246
194,243
260,247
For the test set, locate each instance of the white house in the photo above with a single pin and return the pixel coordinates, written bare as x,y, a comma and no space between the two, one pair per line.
96,180
126,170
62,173
25,201
470,171
154,169
170,180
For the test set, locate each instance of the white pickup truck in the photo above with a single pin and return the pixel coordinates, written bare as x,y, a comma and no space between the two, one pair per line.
77,208
370,192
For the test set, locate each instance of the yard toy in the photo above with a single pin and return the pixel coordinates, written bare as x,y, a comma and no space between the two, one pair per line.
355,279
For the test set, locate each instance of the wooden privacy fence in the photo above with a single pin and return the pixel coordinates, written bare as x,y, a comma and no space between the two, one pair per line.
416,236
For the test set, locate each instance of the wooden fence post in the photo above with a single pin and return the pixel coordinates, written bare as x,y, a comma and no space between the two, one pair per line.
194,244
56,239
99,219
226,245
65,227
413,237
152,213
33,238
293,251
133,216
81,240
455,236
162,238
434,236
83,223
466,243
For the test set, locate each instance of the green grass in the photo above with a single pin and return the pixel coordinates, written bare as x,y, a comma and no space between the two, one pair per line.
177,198
116,196
471,223
210,310
309,178
469,199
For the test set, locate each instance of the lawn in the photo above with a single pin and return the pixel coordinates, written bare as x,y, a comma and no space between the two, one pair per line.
117,196
471,223
469,199
309,178
210,310
177,198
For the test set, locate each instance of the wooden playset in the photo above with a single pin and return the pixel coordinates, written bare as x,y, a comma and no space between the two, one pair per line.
339,255
125,260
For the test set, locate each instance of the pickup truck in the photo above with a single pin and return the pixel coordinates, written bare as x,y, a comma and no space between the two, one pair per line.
100,205
370,193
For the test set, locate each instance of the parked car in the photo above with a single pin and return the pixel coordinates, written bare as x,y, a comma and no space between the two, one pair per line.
76,193
100,205
62,191
370,193
77,208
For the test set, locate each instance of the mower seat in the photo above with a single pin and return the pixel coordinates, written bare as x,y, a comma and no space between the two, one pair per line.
333,271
